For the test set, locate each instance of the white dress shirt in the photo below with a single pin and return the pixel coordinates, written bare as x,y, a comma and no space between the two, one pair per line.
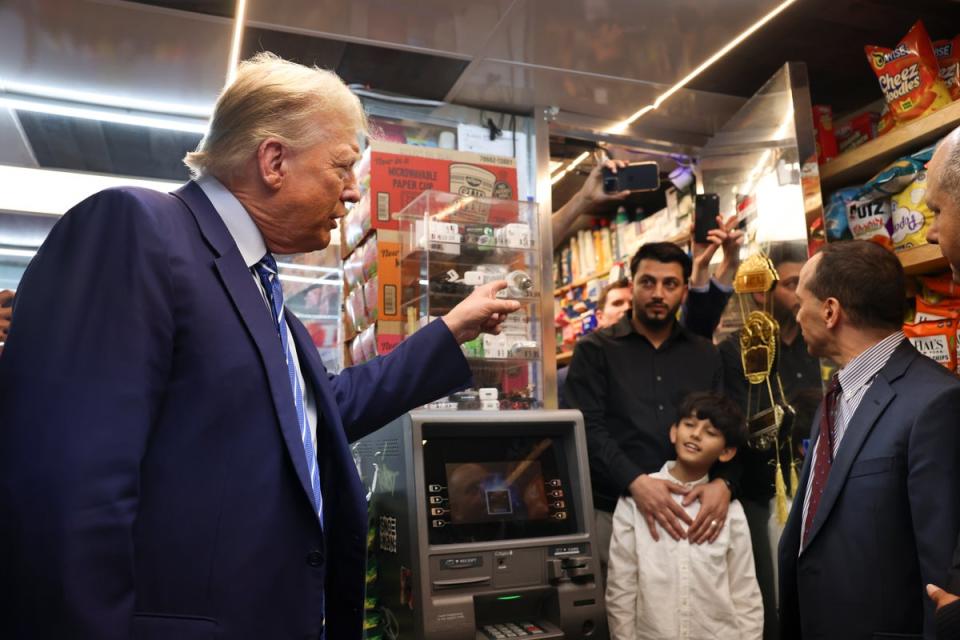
674,590
855,380
249,240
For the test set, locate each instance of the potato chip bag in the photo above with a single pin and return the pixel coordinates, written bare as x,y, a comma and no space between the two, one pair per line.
936,339
948,57
871,220
909,75
940,286
911,218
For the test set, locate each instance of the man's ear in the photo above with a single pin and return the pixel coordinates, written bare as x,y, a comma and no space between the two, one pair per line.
831,312
271,162
727,454
673,433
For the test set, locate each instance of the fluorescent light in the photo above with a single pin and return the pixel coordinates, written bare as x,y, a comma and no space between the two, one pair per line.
570,167
18,253
622,126
104,114
27,90
238,23
54,192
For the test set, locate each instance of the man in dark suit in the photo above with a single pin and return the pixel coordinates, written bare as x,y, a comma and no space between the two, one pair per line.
877,510
943,199
173,455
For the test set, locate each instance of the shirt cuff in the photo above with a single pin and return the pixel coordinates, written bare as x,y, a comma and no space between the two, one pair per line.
701,288
726,288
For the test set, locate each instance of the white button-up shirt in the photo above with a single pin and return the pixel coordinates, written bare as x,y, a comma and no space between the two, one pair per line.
674,590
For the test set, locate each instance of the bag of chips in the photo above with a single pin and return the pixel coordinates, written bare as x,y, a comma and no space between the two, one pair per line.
936,339
871,220
940,286
835,214
944,309
909,75
948,57
911,217
896,176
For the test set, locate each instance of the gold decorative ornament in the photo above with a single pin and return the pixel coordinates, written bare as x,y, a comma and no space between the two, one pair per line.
755,275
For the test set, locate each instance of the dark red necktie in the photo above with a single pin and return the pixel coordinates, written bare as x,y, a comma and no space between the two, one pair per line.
824,455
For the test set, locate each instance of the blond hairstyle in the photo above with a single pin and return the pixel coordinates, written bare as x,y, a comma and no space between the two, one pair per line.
272,97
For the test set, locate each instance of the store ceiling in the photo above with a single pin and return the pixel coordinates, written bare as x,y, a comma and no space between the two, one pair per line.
598,60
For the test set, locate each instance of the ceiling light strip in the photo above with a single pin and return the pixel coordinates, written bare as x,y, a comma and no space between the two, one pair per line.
620,127
239,20
104,114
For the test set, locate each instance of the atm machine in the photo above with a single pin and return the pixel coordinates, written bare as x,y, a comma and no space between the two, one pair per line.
481,527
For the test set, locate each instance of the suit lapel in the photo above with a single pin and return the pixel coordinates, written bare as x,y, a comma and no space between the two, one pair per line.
861,424
250,305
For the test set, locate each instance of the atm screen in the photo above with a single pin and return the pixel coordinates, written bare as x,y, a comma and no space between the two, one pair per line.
491,488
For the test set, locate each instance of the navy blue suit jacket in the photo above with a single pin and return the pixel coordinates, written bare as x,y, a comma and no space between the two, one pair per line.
152,476
888,517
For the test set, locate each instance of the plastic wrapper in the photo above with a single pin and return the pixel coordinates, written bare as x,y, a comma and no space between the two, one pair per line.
948,58
936,339
835,220
911,217
909,75
896,176
870,219
940,286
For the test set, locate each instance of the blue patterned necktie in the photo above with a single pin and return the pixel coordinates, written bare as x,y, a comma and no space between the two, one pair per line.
267,272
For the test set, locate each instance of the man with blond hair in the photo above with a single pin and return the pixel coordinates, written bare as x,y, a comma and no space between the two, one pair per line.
173,455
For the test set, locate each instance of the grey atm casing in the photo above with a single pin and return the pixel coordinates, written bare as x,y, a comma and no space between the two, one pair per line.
451,591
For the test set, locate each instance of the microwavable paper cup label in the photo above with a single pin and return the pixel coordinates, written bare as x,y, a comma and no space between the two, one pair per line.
470,180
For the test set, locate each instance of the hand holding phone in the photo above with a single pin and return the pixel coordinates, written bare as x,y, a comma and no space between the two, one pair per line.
638,176
706,210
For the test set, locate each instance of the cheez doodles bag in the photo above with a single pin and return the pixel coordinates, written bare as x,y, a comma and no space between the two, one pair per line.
948,57
909,75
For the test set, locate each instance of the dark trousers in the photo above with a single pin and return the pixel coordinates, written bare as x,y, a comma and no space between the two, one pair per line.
758,518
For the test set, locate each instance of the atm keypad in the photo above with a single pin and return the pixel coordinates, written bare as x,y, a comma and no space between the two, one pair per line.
511,630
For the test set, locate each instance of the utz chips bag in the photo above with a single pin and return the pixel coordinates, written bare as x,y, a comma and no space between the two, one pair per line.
909,75
911,217
936,339
871,220
948,57
835,220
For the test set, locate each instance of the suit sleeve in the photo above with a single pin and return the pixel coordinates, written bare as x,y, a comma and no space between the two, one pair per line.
744,589
586,390
426,366
623,573
933,483
704,309
81,382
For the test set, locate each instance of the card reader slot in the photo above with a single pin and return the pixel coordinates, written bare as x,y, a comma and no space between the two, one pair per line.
453,583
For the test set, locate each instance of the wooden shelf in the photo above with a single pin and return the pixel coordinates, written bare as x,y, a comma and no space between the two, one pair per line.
922,260
579,283
860,164
564,358
682,239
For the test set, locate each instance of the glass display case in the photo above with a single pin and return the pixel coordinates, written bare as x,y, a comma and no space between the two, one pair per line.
450,244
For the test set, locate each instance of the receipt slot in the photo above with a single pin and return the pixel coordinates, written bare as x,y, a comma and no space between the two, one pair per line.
481,527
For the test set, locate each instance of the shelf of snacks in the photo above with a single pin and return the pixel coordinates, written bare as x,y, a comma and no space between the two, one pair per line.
923,260
872,156
451,244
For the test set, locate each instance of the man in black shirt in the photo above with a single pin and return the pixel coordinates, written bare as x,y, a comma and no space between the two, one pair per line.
800,374
627,380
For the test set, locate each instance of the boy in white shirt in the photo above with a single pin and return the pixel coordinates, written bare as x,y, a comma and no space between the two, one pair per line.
672,589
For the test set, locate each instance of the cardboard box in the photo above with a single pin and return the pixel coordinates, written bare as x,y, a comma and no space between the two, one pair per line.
372,273
395,174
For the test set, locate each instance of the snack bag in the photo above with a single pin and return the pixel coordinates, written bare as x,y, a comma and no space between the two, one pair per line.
948,57
897,176
909,75
871,220
940,286
936,339
887,122
835,214
910,216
